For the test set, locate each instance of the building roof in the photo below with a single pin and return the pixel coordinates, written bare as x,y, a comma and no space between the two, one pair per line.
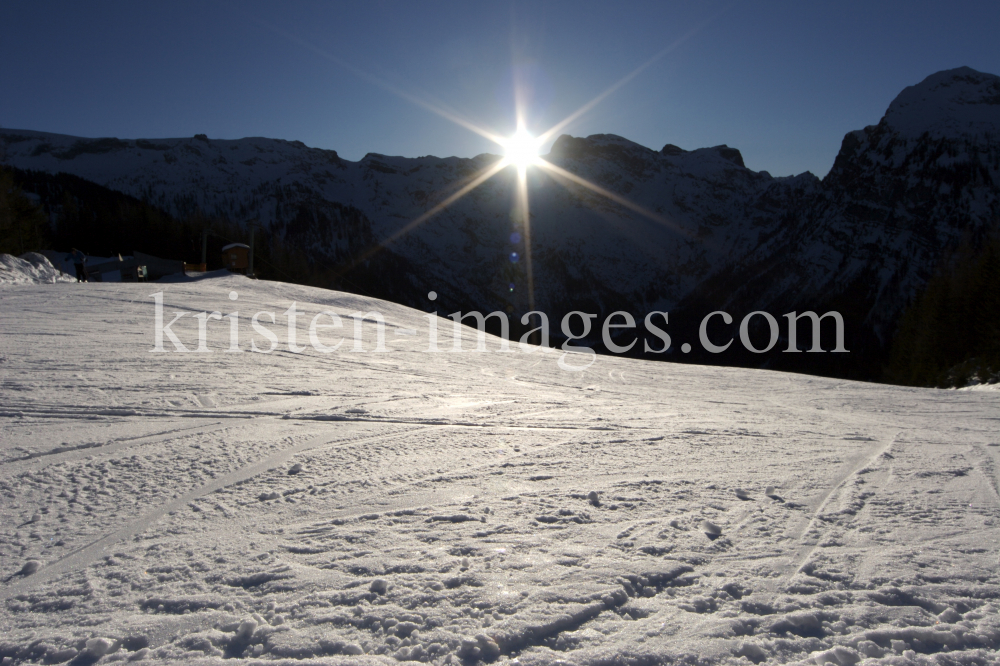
232,245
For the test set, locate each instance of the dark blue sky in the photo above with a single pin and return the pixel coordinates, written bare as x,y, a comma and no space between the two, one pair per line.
781,81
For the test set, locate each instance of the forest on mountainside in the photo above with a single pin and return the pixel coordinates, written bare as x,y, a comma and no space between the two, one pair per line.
61,211
950,334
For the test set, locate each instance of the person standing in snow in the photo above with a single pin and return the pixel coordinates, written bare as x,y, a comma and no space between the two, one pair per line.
79,259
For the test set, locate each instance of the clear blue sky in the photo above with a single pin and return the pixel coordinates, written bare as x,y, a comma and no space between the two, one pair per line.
781,81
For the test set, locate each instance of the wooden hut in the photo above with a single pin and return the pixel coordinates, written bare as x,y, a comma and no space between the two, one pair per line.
236,257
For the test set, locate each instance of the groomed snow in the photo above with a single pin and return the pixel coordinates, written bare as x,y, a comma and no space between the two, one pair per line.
464,507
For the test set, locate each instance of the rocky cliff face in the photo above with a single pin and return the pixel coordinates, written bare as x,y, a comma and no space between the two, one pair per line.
899,195
714,235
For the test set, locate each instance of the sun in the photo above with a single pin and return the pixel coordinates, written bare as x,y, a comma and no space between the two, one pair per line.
521,149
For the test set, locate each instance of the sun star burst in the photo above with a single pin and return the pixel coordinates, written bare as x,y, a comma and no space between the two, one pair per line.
521,149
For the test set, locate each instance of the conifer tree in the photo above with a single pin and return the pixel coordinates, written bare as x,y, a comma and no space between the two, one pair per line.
23,225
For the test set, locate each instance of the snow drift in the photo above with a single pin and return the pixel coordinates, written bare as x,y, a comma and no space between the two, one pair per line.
30,268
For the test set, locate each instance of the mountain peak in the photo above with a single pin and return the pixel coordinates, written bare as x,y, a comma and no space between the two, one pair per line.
949,103
595,144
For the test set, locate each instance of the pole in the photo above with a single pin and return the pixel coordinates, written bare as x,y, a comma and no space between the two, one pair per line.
204,247
250,269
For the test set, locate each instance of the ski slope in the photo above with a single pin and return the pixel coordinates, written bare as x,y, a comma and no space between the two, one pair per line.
363,507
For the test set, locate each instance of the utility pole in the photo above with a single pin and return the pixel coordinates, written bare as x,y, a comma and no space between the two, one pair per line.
253,224
204,248
250,268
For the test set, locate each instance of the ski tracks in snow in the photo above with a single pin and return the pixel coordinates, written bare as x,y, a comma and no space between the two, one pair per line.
87,554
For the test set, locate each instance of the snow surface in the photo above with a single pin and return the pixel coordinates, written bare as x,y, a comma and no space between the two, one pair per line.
30,268
468,507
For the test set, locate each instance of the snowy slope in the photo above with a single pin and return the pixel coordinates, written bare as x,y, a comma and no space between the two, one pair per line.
468,507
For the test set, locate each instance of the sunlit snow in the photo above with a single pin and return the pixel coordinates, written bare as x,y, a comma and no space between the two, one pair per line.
468,507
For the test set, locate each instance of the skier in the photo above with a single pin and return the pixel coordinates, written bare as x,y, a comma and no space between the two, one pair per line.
79,259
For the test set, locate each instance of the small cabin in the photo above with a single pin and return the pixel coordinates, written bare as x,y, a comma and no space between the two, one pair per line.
236,257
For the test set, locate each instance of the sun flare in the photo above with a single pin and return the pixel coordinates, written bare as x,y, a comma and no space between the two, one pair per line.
521,149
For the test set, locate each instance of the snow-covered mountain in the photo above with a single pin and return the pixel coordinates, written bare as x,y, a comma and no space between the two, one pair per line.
313,196
864,239
900,193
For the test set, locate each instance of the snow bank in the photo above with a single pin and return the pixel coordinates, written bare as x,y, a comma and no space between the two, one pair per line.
30,268
194,277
